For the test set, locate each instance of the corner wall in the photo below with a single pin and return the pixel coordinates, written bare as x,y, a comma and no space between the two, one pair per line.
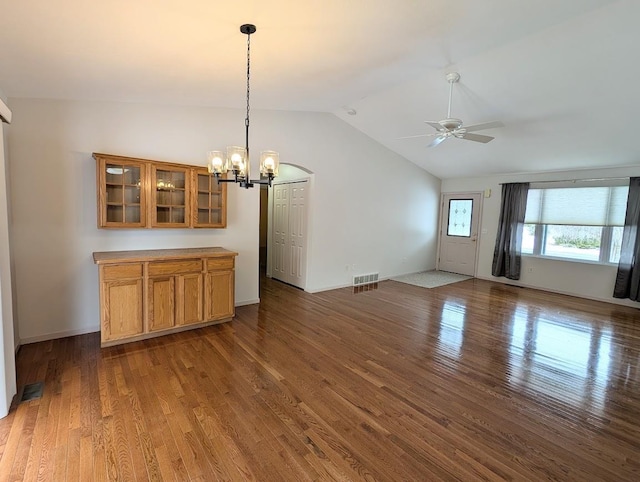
8,343
371,207
586,280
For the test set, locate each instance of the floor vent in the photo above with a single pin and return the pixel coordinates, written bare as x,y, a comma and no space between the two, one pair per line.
363,288
365,279
32,391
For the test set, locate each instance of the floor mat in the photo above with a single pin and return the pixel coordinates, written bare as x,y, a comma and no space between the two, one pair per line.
431,279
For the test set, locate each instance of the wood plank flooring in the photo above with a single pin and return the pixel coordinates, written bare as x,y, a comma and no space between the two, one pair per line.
470,381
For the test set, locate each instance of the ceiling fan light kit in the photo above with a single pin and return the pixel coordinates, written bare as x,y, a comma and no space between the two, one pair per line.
453,127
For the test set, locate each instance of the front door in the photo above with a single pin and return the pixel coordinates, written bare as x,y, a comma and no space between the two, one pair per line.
459,233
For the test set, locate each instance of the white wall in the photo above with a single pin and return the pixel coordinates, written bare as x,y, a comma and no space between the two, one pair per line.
593,281
371,207
7,341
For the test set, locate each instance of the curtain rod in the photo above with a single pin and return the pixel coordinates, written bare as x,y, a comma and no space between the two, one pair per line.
575,180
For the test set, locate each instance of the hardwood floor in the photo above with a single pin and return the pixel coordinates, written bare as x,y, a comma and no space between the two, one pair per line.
475,380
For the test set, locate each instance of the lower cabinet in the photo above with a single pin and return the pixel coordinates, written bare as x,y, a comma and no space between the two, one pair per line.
148,293
121,309
161,303
220,301
190,294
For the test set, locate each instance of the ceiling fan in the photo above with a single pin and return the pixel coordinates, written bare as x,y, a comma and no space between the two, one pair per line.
452,127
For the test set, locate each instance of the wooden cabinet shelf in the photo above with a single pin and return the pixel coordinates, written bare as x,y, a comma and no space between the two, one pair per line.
141,193
155,292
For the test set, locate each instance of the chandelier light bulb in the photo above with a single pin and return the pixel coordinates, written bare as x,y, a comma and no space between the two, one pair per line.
236,159
216,162
269,162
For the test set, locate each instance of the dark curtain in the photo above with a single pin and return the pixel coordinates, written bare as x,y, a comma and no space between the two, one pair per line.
628,278
506,256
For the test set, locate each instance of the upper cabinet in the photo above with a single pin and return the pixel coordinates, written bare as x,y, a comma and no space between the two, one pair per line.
210,200
170,204
140,193
122,200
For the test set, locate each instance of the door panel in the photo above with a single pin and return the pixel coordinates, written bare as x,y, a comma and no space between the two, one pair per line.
459,233
290,208
161,303
280,229
221,295
297,234
190,295
122,309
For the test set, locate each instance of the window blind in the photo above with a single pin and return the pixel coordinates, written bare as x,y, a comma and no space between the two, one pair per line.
578,206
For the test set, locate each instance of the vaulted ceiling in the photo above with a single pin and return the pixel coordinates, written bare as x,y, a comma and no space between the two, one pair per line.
560,75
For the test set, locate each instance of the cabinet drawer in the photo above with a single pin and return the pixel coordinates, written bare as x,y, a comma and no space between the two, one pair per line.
219,263
122,271
175,267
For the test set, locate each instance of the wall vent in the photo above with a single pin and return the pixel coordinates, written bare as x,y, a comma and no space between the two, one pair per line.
365,279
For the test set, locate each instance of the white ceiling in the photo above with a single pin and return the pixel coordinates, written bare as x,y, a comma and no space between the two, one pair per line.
561,75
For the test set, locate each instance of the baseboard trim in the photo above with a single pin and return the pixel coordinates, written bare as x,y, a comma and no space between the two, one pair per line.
248,302
328,288
613,301
56,335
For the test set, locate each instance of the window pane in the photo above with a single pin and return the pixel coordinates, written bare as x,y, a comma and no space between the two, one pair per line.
460,217
577,206
616,242
577,242
528,238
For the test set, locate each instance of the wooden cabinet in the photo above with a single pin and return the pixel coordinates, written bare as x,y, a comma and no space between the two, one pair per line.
141,193
122,199
121,310
175,295
171,196
154,292
220,277
209,198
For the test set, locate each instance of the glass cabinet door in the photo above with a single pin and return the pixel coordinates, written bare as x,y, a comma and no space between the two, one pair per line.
210,201
170,196
142,193
123,197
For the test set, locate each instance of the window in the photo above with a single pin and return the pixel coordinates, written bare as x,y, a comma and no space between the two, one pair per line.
580,223
460,217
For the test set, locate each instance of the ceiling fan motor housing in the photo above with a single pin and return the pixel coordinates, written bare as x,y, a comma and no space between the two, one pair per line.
451,123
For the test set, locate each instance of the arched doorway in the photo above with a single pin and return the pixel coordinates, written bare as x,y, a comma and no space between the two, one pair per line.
284,226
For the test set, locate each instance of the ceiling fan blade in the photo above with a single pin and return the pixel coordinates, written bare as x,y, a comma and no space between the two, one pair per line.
436,125
486,125
436,141
412,137
475,137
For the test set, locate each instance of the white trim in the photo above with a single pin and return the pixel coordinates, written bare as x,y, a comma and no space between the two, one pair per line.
481,194
57,334
327,288
5,112
84,331
614,301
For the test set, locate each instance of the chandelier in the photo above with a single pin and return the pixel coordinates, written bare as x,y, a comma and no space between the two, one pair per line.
237,158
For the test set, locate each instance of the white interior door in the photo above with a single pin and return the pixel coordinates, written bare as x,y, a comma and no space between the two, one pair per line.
459,233
280,230
289,239
297,233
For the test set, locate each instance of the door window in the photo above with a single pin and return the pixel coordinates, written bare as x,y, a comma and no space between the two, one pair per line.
459,223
